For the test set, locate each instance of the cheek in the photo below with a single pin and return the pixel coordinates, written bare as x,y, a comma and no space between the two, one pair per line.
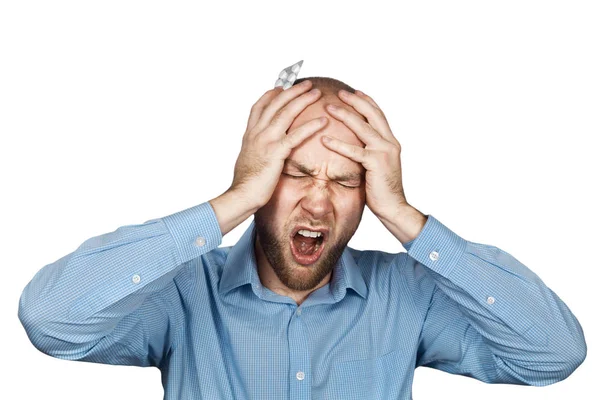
351,205
285,197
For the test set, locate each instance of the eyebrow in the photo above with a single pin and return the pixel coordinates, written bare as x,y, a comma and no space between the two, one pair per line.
344,177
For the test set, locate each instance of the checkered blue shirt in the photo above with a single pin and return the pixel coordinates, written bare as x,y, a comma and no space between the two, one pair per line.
163,294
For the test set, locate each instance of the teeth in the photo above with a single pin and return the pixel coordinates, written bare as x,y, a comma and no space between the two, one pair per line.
307,233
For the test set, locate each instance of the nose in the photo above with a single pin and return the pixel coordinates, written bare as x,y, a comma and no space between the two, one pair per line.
317,201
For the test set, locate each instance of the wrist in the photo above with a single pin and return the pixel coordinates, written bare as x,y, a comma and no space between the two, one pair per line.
231,209
406,224
240,200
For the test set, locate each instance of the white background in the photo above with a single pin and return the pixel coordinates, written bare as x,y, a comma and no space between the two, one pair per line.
117,112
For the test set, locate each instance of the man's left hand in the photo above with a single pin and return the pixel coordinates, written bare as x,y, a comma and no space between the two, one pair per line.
381,159
380,156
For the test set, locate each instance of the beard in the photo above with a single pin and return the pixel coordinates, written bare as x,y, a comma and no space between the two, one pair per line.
276,248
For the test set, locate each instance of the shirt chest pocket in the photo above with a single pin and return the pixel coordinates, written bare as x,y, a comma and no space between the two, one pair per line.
381,377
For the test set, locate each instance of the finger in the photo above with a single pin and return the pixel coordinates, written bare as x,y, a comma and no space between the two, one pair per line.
301,133
351,151
286,116
372,112
365,132
276,106
368,98
258,107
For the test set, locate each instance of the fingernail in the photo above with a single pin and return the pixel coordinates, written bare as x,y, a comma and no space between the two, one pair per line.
326,139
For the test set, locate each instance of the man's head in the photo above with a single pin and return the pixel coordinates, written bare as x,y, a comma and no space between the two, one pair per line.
326,199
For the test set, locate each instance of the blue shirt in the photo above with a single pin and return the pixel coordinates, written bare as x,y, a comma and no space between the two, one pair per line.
163,294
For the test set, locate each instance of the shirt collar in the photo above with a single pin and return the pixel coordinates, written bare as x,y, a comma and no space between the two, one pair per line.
241,268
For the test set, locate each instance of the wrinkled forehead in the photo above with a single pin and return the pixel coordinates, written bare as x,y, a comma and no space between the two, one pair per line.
311,153
346,170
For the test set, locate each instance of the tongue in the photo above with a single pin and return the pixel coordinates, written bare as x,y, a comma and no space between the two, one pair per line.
305,245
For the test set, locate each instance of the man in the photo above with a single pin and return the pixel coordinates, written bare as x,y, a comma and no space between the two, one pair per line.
290,311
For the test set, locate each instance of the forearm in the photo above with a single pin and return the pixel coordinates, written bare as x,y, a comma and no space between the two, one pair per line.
231,210
406,223
516,323
76,301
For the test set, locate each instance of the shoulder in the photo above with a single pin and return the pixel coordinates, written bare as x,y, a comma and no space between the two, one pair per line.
205,270
381,268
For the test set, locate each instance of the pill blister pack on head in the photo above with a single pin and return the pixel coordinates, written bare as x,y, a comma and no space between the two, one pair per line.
288,75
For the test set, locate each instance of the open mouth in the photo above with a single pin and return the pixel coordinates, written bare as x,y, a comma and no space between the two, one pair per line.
307,250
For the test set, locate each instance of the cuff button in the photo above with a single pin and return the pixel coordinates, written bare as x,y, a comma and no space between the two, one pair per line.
434,255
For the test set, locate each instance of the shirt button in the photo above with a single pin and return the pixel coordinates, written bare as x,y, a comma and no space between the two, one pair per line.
434,255
135,278
300,375
491,300
298,311
200,241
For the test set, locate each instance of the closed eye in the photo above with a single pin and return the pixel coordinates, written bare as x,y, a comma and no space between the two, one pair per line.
304,176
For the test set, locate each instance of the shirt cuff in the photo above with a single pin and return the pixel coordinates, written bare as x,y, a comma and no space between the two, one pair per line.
193,230
437,247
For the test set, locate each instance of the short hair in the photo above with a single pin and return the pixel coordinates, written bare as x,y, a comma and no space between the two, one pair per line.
328,86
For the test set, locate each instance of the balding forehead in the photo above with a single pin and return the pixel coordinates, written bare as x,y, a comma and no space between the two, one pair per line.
344,176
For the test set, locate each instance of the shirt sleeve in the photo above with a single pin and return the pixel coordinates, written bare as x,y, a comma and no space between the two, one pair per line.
114,299
490,317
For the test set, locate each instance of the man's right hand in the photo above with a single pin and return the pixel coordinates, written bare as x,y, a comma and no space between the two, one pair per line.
266,145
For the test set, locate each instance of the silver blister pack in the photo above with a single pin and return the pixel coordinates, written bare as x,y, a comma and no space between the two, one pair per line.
288,75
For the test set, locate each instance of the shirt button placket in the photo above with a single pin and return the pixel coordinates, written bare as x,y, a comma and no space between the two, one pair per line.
299,356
